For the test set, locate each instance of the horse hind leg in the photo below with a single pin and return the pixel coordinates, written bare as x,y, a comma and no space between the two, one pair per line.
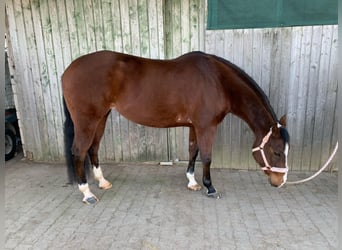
93,153
80,147
193,152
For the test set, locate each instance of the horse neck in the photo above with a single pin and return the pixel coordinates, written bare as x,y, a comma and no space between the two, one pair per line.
255,113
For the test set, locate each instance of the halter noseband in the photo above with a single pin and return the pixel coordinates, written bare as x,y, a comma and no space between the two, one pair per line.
261,149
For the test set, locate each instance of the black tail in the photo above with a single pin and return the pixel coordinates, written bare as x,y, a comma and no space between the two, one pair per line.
68,141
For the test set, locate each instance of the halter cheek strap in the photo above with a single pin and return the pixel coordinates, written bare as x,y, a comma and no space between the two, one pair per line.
261,149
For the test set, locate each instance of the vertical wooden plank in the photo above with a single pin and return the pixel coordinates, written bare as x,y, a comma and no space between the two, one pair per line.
311,95
286,38
117,136
257,45
185,23
134,25
171,141
38,148
197,14
79,17
152,22
72,27
117,31
302,90
167,29
144,27
321,97
99,25
63,34
274,73
294,160
264,72
107,19
175,29
88,17
161,28
329,130
56,61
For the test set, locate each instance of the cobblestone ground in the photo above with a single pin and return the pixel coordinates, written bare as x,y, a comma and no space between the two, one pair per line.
149,207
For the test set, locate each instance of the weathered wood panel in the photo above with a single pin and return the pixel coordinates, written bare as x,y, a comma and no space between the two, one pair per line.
296,67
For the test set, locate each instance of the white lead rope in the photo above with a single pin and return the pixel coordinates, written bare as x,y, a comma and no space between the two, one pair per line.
319,171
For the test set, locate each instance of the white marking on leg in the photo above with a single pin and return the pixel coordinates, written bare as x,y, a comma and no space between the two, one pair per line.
193,185
84,188
103,183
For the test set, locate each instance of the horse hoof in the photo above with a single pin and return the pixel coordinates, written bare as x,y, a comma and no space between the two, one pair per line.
90,200
195,187
214,195
105,185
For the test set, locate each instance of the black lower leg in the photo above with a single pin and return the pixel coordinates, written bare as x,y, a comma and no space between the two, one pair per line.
206,176
94,160
191,166
80,171
193,150
207,183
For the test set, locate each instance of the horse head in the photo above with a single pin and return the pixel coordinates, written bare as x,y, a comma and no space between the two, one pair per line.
272,153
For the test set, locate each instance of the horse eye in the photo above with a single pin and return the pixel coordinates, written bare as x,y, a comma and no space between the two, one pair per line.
276,153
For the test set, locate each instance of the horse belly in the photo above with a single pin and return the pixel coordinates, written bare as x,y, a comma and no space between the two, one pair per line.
152,116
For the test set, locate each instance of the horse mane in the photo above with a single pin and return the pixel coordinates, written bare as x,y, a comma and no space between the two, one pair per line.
251,83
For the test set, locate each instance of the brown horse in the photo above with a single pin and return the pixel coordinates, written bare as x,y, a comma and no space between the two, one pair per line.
196,90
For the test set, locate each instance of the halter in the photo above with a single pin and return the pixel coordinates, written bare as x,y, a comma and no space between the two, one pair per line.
261,149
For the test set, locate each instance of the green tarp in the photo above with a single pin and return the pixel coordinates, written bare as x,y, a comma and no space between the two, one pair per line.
236,14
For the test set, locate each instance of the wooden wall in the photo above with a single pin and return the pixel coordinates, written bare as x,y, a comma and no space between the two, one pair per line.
295,66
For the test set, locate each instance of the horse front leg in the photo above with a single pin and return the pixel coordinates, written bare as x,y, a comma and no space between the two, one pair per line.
193,152
205,139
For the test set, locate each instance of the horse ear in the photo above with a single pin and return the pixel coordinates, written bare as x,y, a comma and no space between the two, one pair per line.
282,121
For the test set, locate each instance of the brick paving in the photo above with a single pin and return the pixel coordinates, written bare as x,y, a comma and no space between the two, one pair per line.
149,207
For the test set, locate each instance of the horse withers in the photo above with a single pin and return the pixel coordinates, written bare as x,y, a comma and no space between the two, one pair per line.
196,90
